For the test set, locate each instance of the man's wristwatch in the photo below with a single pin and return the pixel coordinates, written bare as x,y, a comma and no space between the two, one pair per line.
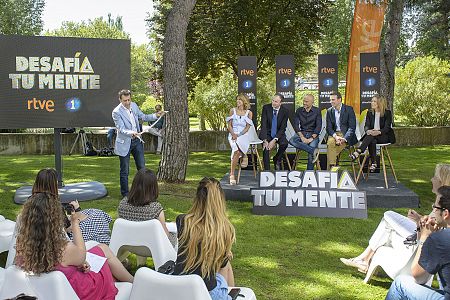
276,139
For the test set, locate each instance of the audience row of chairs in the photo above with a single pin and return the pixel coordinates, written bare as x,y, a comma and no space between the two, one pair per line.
148,284
290,132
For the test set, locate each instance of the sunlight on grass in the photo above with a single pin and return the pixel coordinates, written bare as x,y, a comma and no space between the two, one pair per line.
261,262
285,258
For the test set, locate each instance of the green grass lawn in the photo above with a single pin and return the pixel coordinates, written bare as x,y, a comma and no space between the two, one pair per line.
278,257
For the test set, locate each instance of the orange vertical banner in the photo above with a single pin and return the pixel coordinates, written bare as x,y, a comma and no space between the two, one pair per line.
366,33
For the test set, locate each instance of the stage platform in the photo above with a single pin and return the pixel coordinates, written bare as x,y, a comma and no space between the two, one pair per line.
397,195
82,191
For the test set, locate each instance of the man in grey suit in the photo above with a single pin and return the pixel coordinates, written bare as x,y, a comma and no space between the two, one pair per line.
126,117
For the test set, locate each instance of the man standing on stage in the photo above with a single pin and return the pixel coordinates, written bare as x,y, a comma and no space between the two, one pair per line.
341,127
126,117
273,126
307,125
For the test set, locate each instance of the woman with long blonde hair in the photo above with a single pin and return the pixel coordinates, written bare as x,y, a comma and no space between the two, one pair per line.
205,238
377,130
42,247
239,123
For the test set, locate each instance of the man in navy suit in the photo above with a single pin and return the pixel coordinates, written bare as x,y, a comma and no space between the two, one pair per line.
341,126
126,117
273,126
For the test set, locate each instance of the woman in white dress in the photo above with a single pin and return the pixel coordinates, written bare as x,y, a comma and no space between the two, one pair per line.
394,224
239,123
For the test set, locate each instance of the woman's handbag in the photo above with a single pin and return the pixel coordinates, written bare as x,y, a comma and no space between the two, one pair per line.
167,268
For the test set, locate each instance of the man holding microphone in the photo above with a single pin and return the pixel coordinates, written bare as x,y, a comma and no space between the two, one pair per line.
126,118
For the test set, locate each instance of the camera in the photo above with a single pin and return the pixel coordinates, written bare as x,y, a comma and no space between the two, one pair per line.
69,208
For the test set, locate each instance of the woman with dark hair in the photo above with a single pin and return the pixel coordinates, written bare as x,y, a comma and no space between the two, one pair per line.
142,205
377,130
205,238
43,247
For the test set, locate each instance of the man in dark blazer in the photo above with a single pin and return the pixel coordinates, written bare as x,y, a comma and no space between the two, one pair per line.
273,126
341,126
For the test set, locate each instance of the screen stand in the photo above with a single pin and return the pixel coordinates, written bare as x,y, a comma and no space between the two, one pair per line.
81,191
58,156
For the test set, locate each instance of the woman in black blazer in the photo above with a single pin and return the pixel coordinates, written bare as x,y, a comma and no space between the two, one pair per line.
378,130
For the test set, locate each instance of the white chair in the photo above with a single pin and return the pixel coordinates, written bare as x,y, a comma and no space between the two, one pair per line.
2,277
168,287
6,233
49,286
149,234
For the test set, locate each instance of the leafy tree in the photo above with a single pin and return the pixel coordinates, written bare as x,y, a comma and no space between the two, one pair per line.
337,31
220,31
142,62
97,28
433,28
21,16
421,92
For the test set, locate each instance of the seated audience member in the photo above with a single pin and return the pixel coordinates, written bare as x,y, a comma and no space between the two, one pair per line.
274,119
341,126
42,247
205,238
377,130
239,123
142,203
94,223
395,224
307,125
157,128
110,136
432,256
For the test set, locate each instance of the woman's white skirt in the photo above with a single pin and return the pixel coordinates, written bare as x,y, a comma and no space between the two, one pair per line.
241,143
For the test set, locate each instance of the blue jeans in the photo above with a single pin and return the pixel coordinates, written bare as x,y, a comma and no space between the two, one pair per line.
309,148
405,287
137,149
220,292
110,136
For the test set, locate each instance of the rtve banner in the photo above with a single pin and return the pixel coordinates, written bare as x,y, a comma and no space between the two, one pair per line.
366,32
247,74
285,78
328,78
369,78
61,82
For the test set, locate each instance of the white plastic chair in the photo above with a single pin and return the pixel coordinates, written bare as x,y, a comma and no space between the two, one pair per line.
6,233
48,286
168,287
2,277
144,233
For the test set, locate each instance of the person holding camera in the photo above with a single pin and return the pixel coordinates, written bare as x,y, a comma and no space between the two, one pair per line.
432,256
42,247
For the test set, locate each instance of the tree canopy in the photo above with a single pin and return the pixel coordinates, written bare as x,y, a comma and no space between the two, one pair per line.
21,16
220,31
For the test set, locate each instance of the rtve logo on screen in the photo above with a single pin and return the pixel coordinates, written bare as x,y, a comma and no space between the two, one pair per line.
54,73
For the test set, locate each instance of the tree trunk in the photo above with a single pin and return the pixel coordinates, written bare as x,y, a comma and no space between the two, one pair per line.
173,165
202,122
389,50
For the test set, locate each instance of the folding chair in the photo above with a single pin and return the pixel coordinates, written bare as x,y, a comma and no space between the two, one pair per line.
254,142
165,287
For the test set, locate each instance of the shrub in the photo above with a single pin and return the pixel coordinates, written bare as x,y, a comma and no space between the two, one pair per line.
422,92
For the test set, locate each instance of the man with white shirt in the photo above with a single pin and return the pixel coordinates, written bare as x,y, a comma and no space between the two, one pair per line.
341,126
126,117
